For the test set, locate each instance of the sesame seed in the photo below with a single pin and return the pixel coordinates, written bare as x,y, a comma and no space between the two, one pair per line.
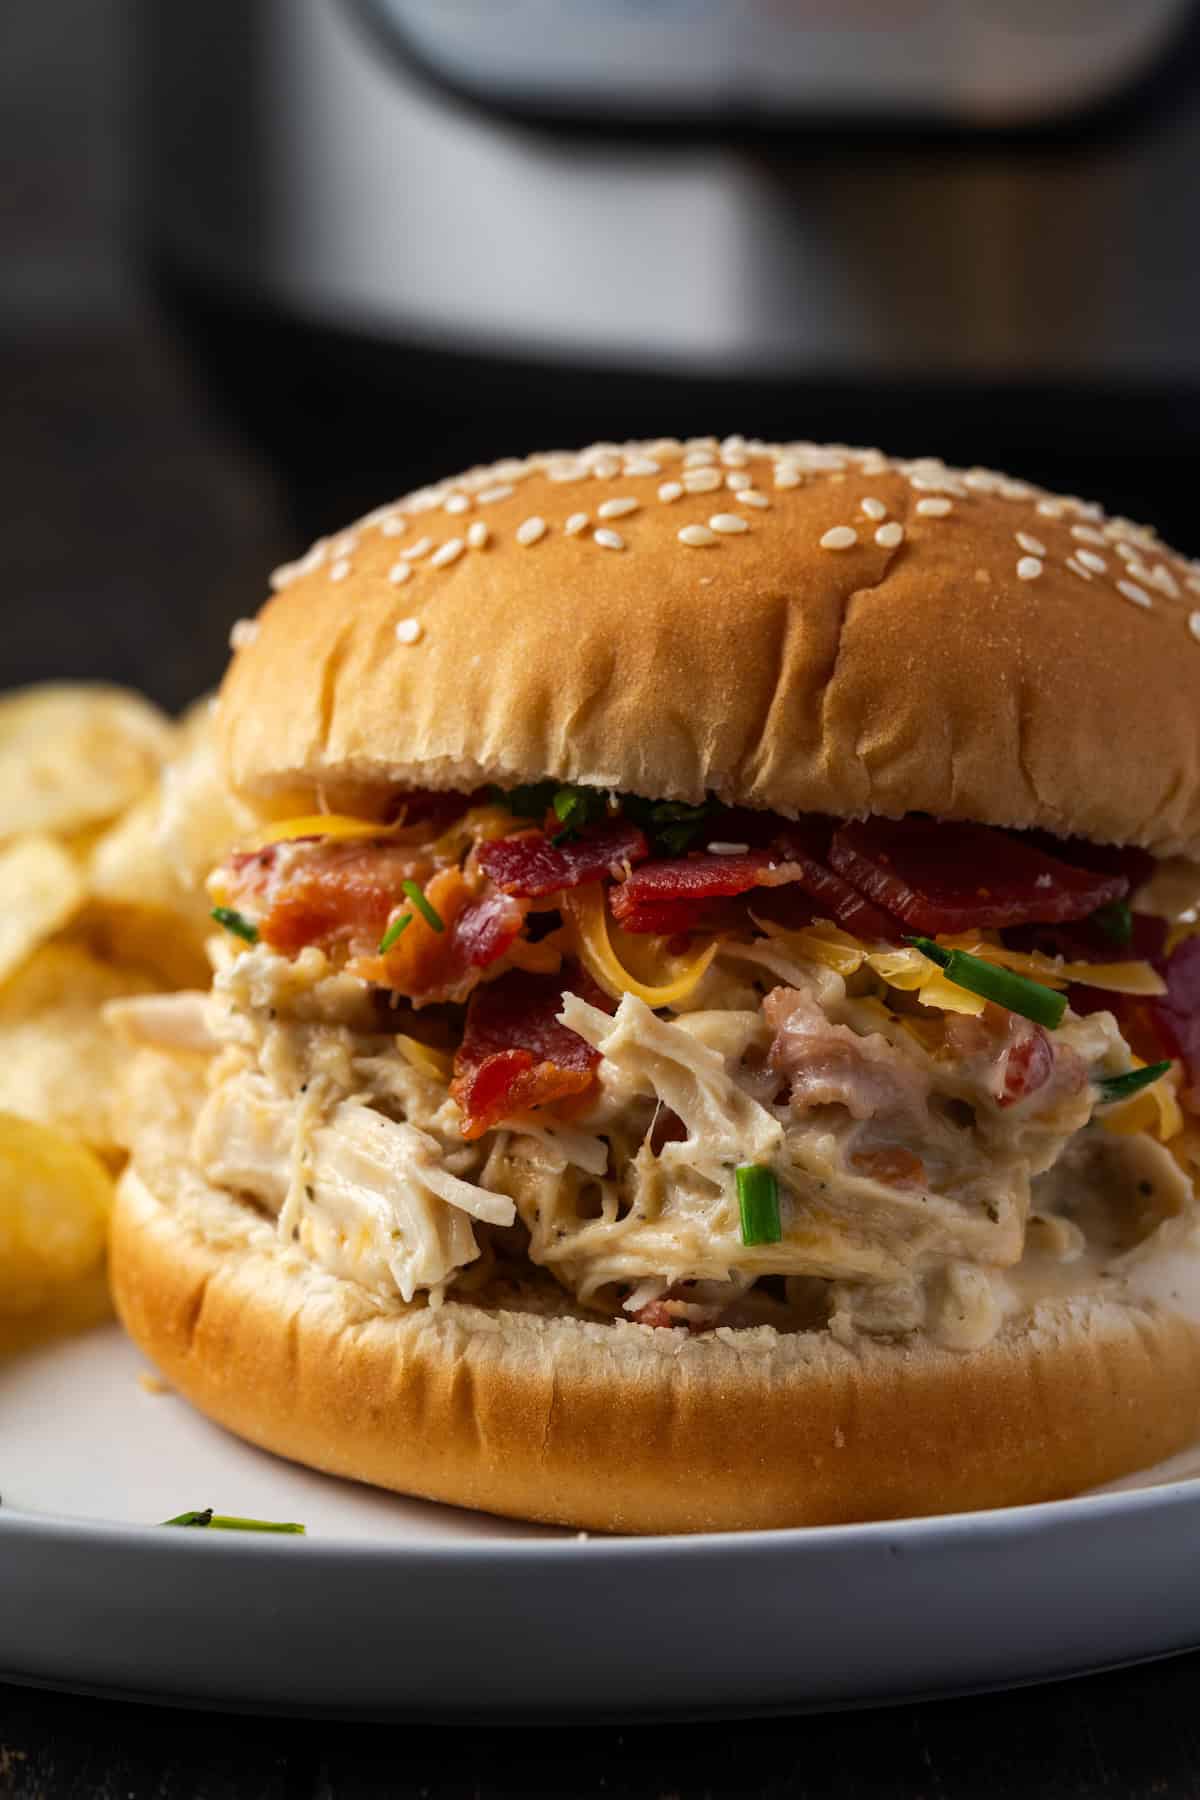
702,481
734,459
1029,568
697,536
721,849
1087,534
617,509
1078,568
283,576
671,490
696,459
1028,542
1051,509
339,570
408,630
1015,490
839,537
242,633
420,548
889,535
1133,592
345,546
568,471
1162,578
1091,561
738,479
641,465
1193,584
752,497
787,475
934,509
605,467
399,572
874,509
477,534
502,492
447,553
394,527
531,530
457,503
1128,553
728,522
1194,625
608,540
576,523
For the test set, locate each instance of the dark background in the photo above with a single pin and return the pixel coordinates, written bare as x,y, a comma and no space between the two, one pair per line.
138,524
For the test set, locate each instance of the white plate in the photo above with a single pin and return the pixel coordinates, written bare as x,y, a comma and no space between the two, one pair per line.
393,1607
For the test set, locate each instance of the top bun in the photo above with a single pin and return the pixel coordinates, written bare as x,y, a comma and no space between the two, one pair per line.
791,627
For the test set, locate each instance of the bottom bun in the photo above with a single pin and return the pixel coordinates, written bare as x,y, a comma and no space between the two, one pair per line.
514,1404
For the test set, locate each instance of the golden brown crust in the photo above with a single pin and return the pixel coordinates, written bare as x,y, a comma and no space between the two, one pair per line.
928,676
618,1427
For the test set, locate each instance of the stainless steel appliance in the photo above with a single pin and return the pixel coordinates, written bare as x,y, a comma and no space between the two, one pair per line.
407,233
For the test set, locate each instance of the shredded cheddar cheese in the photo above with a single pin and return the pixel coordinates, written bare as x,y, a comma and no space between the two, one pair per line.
323,825
588,934
424,1058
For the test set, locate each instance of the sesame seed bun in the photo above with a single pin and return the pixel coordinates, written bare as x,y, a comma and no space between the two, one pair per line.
792,628
515,1404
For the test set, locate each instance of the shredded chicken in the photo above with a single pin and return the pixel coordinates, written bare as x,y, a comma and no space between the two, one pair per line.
908,1152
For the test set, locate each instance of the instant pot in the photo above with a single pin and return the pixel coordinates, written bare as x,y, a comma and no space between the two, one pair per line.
406,235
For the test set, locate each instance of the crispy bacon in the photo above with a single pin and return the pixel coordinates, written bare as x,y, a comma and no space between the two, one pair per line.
1176,1017
942,877
428,965
806,845
530,864
515,1054
325,891
670,897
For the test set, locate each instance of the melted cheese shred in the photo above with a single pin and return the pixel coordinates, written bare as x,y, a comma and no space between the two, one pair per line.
590,938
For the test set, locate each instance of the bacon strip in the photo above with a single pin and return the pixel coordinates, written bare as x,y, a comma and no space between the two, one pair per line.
515,1054
329,892
428,965
942,877
1177,1016
670,897
530,865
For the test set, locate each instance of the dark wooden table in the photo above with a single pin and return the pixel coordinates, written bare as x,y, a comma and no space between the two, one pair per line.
1129,1735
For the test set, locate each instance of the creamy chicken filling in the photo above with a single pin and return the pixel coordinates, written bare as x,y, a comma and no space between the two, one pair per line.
933,1170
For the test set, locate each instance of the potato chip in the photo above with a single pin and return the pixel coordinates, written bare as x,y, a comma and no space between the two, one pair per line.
146,873
75,753
55,1200
41,888
58,1059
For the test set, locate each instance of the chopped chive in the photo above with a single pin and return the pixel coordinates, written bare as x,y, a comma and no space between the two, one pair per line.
758,1204
237,923
1120,1087
1015,992
399,924
1115,920
227,1522
429,913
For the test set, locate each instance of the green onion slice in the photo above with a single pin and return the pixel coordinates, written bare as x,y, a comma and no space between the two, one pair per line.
1115,920
398,925
1015,992
226,1522
1120,1087
758,1204
237,923
429,913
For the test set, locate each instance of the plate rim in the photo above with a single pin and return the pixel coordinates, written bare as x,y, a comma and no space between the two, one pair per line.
993,1524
